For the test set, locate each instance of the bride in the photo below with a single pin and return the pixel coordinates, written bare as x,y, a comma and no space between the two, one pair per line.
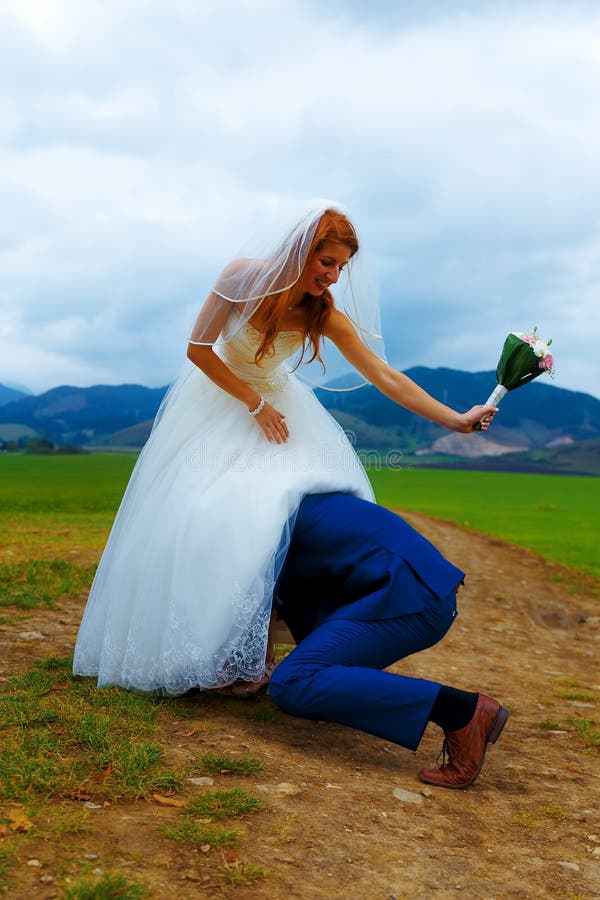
182,595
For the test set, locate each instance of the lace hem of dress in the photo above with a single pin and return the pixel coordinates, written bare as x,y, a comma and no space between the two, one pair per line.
183,665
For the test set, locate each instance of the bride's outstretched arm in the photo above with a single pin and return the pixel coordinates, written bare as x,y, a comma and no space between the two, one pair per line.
396,385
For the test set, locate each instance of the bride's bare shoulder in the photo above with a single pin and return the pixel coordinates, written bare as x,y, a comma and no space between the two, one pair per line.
337,324
244,265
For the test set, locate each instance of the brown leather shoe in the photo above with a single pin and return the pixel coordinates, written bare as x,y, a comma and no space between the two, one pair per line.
466,748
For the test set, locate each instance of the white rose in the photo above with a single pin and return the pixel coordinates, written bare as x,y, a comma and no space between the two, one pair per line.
540,348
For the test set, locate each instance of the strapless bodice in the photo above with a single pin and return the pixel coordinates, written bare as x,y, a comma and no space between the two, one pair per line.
272,373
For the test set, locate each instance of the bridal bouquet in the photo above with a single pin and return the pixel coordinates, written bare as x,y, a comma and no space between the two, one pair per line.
523,358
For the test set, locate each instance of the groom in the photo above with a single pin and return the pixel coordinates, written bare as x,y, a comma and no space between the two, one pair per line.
359,590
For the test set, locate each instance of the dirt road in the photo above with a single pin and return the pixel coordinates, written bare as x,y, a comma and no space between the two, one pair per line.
332,826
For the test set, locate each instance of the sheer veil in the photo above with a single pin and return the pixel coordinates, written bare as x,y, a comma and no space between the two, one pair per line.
271,262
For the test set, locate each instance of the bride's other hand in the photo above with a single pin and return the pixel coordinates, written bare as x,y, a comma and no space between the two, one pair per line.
273,424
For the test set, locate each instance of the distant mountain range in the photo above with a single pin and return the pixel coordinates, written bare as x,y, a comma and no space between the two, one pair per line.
538,416
543,428
84,416
540,428
8,393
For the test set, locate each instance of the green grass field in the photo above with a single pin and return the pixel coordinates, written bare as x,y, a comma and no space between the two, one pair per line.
554,515
56,512
91,483
55,515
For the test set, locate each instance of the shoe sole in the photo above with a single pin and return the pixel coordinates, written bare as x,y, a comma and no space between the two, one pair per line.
497,725
493,735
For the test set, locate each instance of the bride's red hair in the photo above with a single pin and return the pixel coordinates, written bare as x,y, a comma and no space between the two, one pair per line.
332,226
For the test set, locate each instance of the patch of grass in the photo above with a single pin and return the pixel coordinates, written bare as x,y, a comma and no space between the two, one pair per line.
215,764
557,812
32,763
218,805
63,821
107,887
42,583
25,712
6,863
141,769
198,833
587,730
243,873
62,736
33,683
526,819
283,650
117,704
55,664
569,585
582,696
549,724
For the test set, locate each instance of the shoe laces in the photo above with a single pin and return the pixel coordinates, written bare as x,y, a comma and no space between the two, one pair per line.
447,753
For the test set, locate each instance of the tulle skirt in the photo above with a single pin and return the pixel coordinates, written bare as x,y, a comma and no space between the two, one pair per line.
182,595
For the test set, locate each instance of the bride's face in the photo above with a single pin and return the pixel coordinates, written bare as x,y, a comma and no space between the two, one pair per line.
324,267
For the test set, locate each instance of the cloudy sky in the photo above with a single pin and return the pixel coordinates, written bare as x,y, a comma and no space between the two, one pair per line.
140,139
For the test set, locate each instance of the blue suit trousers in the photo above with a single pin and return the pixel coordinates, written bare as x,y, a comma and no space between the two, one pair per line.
336,672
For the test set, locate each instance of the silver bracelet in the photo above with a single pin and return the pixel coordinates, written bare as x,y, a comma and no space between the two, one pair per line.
259,408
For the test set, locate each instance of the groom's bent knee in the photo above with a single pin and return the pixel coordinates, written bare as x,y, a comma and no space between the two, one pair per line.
287,689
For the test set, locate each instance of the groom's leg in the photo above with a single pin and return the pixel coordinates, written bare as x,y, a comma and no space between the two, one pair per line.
335,674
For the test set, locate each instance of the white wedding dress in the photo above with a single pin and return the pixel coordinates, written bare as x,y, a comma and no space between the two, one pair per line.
182,596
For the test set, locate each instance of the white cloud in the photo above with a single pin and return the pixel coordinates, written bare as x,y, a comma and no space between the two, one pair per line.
140,139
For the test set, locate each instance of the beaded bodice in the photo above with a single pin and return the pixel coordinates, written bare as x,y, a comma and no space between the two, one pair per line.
272,373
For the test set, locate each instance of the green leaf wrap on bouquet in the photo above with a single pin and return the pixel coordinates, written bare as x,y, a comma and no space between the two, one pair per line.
524,357
518,363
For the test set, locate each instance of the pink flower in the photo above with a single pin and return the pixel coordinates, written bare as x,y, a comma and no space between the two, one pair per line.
546,362
529,339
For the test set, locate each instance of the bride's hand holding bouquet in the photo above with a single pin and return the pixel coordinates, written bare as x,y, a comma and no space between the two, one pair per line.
525,356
